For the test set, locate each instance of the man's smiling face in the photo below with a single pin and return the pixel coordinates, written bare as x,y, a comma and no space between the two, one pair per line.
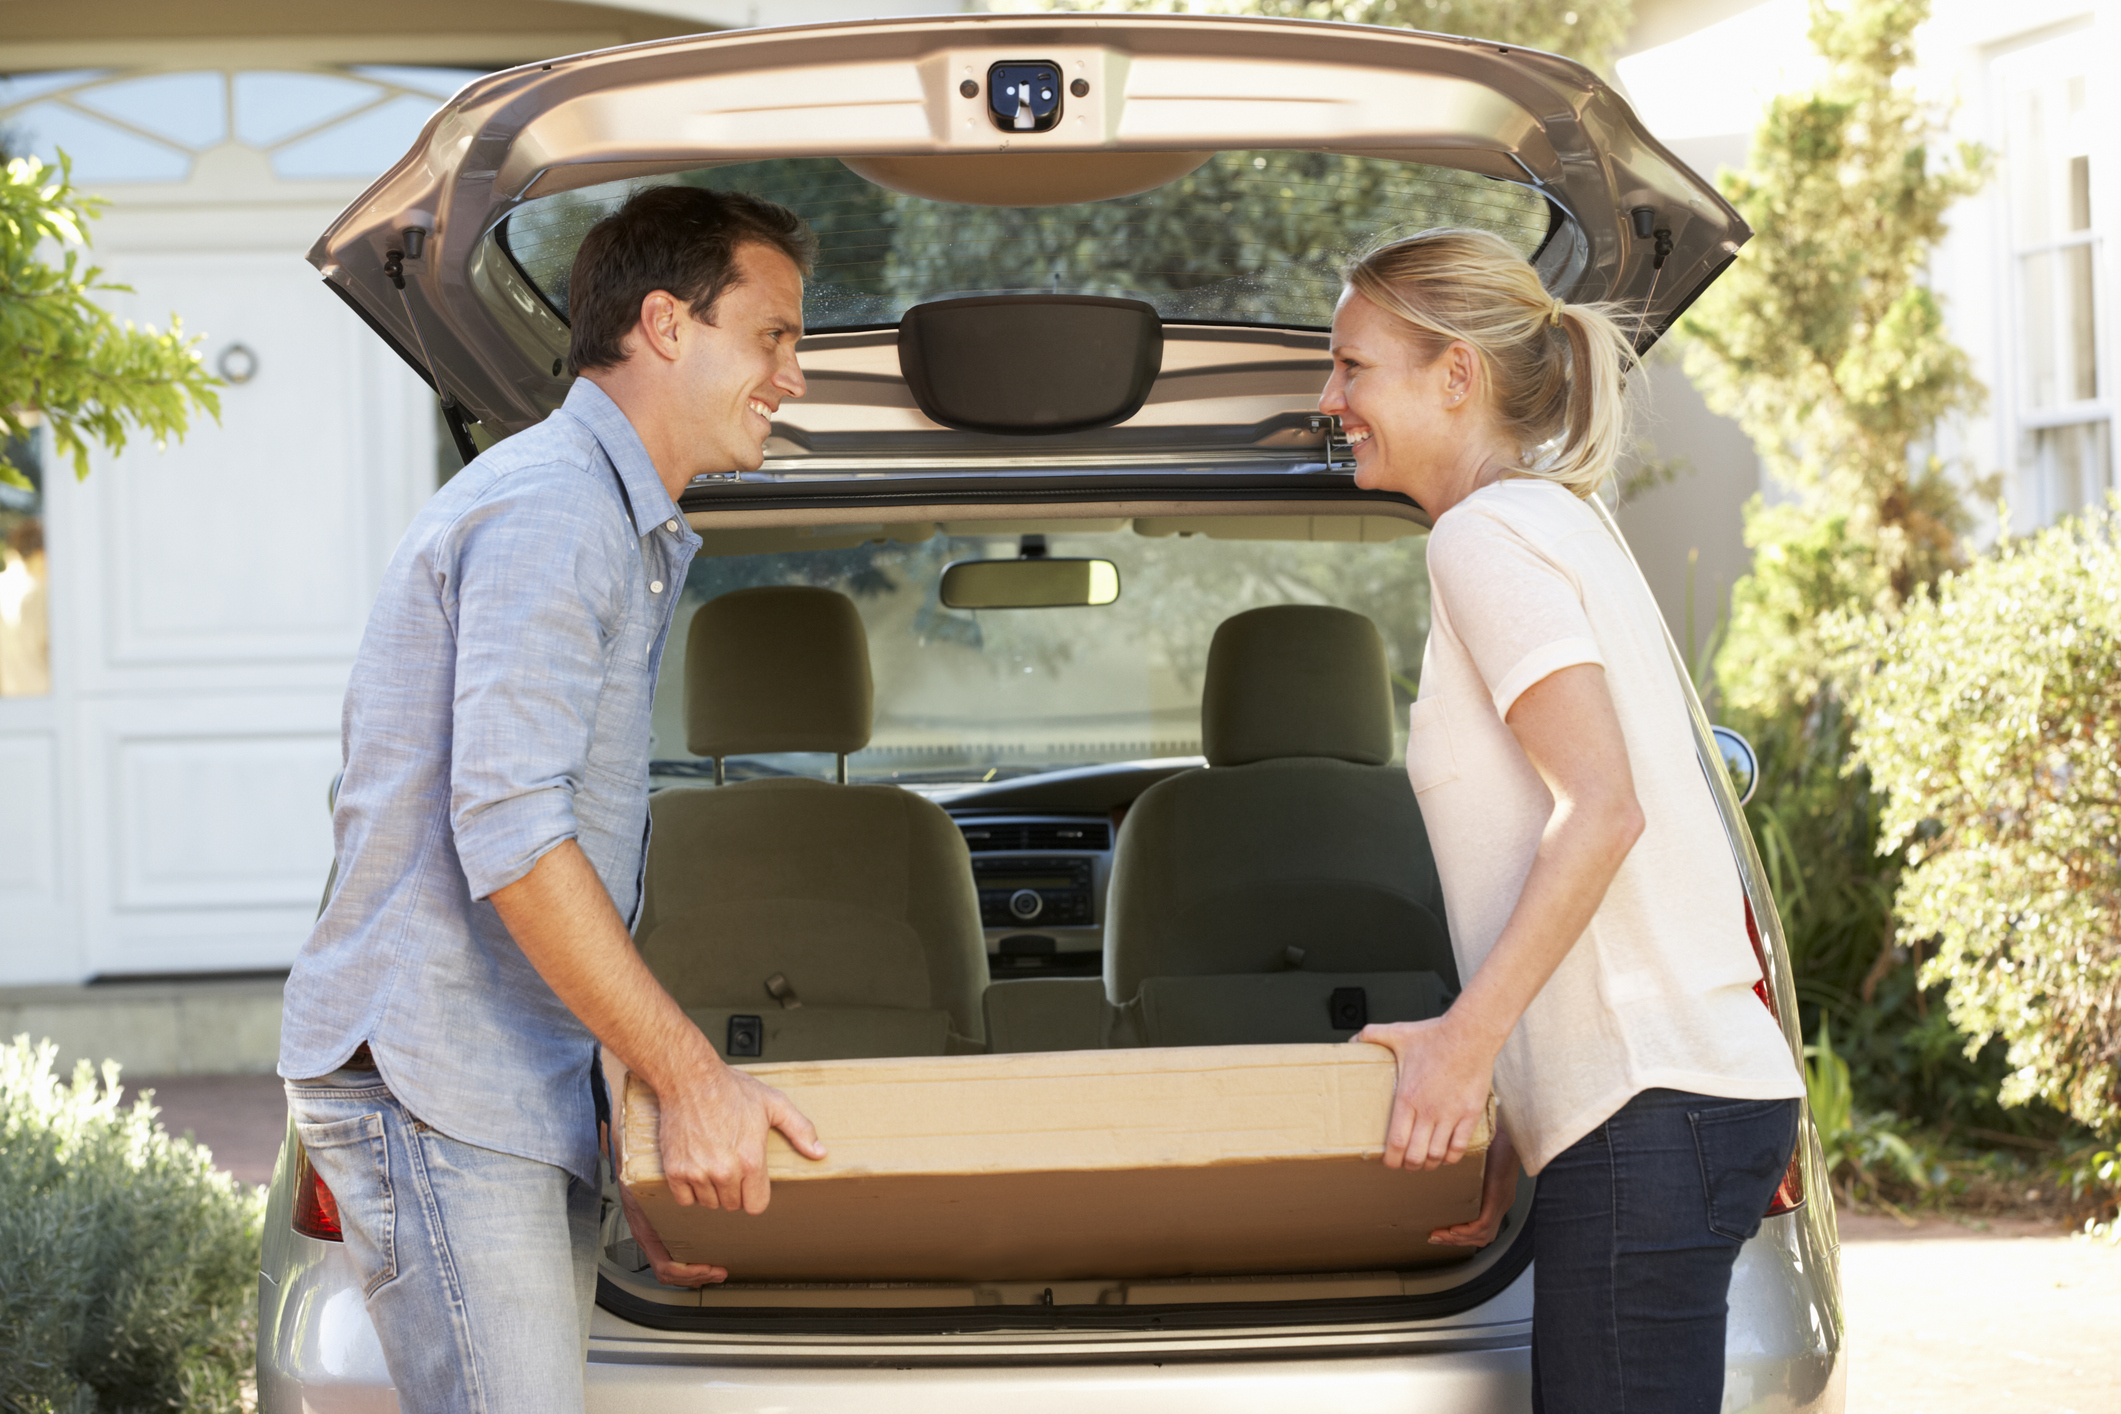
736,371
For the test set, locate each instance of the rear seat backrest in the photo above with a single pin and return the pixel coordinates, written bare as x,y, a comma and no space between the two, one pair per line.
1299,849
859,898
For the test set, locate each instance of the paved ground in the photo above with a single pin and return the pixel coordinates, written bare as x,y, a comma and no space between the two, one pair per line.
1943,1318
240,1117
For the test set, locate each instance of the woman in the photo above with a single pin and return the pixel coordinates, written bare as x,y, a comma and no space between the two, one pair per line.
1594,905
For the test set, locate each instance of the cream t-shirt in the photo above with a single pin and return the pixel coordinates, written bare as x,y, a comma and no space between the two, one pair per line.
1658,992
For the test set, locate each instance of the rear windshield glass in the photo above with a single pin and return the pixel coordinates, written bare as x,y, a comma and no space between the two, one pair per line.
966,695
1247,238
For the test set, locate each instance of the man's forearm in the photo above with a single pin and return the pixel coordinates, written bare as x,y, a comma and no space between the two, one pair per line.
715,1119
562,918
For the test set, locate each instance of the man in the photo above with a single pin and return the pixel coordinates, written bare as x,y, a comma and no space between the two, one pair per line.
441,1021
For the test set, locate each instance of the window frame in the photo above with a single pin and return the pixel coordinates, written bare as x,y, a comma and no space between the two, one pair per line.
2043,66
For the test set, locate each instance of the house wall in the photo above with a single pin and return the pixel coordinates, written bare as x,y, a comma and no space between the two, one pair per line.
1699,72
162,797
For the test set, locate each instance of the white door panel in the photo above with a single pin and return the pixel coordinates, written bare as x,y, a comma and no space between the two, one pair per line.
258,540
213,596
215,838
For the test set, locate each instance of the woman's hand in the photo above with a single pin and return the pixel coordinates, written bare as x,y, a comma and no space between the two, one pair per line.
1442,1095
1498,1194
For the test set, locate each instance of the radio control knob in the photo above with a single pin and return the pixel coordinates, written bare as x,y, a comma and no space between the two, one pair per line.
1026,904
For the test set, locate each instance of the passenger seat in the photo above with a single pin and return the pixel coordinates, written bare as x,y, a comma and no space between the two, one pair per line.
795,919
1287,892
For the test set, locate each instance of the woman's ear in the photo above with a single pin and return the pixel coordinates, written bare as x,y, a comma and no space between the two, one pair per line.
1461,373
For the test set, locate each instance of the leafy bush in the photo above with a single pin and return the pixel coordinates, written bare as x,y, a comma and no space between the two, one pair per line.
128,1264
1991,716
1824,341
1859,1148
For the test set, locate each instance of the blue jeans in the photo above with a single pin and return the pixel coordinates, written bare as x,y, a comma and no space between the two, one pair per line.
479,1267
1635,1229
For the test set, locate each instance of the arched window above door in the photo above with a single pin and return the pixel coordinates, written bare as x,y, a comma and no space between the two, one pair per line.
127,127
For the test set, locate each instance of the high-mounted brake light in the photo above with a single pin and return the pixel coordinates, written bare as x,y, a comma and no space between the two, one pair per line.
316,1210
1789,1195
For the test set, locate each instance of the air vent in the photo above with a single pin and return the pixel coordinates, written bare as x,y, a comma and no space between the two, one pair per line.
982,836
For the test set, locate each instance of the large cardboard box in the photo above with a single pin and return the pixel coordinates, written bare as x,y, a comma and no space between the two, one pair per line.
1128,1164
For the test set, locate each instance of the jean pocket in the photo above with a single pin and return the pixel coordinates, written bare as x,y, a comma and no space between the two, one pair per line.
352,1156
1744,1149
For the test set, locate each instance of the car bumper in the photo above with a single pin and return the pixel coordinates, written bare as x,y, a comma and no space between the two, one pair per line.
318,1354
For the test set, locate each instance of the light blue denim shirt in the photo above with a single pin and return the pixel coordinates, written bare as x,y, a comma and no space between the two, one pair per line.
499,705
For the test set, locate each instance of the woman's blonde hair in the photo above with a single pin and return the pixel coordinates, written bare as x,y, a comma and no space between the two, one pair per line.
1556,372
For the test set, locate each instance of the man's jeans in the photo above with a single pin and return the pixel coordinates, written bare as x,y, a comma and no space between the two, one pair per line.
479,1267
1635,1229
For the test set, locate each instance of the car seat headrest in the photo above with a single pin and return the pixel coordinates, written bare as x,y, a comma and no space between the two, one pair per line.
1296,680
784,668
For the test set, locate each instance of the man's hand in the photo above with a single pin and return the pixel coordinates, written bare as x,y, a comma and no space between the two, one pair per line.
1442,1095
668,1269
1498,1192
713,1140
714,1119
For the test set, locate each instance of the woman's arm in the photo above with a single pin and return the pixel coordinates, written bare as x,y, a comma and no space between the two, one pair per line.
1567,726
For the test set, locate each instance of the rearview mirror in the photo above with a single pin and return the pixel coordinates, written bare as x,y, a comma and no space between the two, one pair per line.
1036,583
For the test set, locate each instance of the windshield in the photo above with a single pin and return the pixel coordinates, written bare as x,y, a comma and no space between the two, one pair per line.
970,695
1247,237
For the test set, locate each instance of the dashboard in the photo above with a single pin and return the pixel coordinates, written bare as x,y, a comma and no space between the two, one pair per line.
1042,857
1042,881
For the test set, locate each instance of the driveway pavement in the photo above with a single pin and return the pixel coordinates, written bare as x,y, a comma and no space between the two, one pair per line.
240,1117
1943,1319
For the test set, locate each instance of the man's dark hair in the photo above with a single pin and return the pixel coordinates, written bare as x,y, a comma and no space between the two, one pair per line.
680,239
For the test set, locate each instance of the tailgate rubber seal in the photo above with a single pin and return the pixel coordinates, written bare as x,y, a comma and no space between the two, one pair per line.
1148,1320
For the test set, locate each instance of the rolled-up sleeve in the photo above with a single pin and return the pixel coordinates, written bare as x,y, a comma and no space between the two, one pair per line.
1519,612
536,576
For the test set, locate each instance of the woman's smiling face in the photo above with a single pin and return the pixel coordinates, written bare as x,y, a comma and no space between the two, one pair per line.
1416,428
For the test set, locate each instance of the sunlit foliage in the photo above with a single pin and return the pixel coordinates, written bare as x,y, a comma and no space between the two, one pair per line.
64,359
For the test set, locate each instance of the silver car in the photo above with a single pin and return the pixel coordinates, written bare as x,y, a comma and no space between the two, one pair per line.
1065,341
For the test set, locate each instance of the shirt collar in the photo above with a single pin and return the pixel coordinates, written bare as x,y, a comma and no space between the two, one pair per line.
594,409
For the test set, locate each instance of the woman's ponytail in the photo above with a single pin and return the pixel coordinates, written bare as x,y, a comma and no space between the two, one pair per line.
1557,372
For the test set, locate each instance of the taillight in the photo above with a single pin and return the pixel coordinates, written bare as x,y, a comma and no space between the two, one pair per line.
1761,989
1790,1194
316,1210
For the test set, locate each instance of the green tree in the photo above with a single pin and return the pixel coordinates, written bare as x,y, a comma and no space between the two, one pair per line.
1990,715
1825,343
63,359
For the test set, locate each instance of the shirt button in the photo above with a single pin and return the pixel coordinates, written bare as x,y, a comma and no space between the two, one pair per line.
671,526
655,586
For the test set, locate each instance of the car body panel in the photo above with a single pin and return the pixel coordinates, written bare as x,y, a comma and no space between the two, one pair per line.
319,1352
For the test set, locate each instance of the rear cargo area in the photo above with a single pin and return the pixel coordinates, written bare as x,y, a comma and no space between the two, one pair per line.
1111,1178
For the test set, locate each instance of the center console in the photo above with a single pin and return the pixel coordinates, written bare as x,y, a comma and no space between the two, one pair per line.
1041,881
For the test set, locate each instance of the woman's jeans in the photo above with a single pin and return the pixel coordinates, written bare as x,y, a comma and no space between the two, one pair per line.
1635,1229
479,1267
